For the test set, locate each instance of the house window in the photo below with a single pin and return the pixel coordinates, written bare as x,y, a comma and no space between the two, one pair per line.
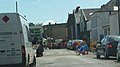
107,30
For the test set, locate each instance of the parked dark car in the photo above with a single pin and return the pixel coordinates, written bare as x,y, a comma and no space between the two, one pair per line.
108,46
118,52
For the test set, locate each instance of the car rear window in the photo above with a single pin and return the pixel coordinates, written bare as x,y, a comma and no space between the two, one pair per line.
117,38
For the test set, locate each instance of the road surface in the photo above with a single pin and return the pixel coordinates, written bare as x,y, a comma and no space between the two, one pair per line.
68,58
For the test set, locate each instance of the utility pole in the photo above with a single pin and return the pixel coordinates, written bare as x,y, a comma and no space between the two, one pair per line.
119,15
16,7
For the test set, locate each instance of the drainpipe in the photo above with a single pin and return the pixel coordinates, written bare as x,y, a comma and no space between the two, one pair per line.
76,12
119,16
71,32
75,28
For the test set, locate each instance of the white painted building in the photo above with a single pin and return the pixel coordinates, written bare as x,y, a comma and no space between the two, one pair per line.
114,26
99,22
89,25
104,23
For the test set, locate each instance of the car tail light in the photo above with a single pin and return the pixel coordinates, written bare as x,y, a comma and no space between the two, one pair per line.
23,52
109,45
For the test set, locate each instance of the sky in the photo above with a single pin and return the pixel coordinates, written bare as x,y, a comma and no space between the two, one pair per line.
44,11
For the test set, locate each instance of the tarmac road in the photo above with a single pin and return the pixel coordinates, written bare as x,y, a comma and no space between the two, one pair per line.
68,58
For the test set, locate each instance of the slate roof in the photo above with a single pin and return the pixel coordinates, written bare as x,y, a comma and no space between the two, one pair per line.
88,12
71,19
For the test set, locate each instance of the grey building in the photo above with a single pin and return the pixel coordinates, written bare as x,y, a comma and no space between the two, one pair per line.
102,21
99,25
114,25
85,17
71,26
91,23
56,31
77,23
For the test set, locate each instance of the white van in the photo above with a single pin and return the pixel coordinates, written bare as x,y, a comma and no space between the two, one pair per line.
15,42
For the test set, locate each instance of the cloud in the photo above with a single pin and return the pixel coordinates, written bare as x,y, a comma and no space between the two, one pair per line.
49,21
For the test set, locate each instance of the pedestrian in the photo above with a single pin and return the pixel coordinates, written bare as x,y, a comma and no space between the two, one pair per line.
45,44
40,49
78,49
77,45
85,47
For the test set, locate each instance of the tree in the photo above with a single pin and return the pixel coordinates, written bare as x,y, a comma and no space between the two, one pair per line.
31,24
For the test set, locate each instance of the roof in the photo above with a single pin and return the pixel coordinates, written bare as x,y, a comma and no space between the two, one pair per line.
60,24
109,5
71,19
87,12
114,12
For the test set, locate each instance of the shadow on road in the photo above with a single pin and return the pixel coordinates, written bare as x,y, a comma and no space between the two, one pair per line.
102,58
111,58
116,61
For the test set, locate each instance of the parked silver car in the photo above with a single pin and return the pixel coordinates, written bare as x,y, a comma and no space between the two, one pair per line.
118,52
69,43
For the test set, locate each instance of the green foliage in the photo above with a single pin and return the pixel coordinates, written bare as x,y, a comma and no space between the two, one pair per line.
31,24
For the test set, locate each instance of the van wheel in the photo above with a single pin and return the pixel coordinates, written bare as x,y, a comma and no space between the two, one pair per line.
34,62
28,65
98,56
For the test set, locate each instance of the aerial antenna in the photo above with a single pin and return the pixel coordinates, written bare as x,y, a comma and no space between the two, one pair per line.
16,7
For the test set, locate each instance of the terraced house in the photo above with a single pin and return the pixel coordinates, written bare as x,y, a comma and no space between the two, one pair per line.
93,23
